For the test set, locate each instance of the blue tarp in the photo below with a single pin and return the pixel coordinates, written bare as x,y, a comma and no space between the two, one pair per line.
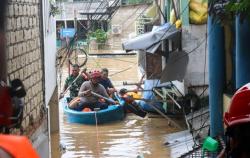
149,42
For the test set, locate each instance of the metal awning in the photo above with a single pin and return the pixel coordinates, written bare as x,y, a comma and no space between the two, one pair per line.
149,42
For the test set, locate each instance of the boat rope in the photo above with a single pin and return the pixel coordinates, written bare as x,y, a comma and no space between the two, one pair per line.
60,79
121,71
97,133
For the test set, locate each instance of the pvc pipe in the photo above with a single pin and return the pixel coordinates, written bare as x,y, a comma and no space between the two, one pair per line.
242,52
216,54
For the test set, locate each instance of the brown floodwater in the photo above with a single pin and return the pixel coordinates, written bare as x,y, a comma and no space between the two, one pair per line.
125,139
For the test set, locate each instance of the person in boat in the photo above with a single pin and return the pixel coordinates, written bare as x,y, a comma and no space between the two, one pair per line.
74,81
87,98
237,121
106,82
130,103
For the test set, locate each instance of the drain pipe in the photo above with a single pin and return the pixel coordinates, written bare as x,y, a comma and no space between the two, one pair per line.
242,52
216,54
3,61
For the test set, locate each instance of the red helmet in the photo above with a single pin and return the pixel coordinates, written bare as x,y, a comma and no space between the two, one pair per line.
239,110
95,74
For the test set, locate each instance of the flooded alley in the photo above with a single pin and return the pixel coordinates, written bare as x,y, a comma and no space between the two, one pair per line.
187,60
125,139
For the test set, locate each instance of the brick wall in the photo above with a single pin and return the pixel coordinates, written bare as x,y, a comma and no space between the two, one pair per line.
24,55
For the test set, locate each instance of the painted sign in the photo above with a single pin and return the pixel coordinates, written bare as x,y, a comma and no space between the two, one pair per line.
69,32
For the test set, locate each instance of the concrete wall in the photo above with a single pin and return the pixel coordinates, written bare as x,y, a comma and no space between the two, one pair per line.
194,36
125,17
69,9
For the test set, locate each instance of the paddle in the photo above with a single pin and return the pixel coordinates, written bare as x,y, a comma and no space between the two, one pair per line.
100,96
131,107
80,75
120,100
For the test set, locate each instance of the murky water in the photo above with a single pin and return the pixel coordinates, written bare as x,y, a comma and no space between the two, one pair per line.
126,139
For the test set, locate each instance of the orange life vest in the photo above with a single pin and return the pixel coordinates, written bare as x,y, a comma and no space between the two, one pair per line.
17,146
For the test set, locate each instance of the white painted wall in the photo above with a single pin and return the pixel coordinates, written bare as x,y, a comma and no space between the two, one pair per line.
50,66
42,141
49,52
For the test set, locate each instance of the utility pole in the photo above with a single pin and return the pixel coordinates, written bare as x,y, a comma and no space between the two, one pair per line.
75,27
75,21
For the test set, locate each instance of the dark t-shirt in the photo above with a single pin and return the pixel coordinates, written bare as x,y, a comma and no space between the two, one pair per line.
106,83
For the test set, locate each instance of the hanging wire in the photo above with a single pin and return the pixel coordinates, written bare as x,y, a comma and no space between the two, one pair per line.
97,135
133,13
202,104
137,16
124,60
121,71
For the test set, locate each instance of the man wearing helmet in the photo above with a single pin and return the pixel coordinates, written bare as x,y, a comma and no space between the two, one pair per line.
87,99
237,121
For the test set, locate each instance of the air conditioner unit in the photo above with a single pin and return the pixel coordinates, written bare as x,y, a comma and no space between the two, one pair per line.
116,29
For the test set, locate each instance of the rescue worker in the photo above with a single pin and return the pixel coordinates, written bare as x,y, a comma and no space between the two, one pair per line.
237,121
74,82
87,99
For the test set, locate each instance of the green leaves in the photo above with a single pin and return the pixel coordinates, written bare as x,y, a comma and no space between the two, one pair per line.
241,8
224,11
99,34
54,9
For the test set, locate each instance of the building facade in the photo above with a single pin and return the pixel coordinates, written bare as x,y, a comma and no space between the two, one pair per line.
31,56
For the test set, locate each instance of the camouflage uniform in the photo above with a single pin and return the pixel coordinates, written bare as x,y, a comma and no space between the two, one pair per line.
74,89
